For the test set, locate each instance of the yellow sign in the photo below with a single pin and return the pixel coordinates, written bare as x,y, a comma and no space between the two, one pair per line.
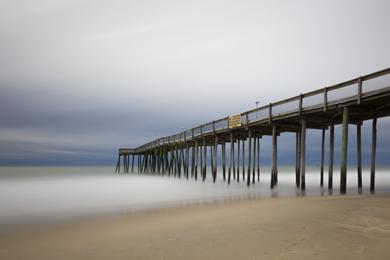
235,121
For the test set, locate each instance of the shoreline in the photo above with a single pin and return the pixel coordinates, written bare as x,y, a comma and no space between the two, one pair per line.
221,200
293,227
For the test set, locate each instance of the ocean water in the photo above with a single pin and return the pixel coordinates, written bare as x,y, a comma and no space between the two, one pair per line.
39,194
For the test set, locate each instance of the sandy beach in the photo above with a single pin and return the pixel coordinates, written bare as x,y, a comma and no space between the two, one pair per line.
329,227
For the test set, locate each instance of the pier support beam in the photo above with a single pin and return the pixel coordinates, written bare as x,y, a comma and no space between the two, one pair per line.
118,164
132,163
303,154
215,159
196,160
258,159
248,177
204,159
297,158
238,160
344,152
322,158
274,171
243,159
234,160
193,160
124,163
231,157
359,154
212,159
187,160
224,160
201,159
331,156
254,160
373,156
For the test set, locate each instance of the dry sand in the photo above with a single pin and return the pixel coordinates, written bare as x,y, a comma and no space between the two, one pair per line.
332,227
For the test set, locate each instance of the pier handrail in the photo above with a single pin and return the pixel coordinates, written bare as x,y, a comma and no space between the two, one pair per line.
273,110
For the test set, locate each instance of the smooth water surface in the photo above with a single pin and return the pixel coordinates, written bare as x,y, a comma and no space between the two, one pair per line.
30,194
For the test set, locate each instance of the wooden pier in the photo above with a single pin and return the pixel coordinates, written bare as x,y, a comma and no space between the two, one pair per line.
348,103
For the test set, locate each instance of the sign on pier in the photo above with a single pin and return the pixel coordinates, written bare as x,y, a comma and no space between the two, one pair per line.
235,121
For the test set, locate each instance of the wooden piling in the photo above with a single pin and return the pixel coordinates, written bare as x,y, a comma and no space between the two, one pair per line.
258,159
196,159
183,160
201,159
243,159
297,158
132,163
187,160
117,168
193,160
170,163
231,157
204,159
215,159
234,161
373,156
248,177
224,160
238,160
322,158
124,163
331,156
344,152
303,154
359,154
176,161
139,162
212,159
254,160
274,170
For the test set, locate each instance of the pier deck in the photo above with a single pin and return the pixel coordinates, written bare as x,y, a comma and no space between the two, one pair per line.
350,102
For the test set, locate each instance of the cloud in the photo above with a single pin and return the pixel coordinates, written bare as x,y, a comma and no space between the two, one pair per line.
79,78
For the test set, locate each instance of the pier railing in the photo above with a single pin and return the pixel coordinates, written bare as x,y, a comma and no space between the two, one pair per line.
346,92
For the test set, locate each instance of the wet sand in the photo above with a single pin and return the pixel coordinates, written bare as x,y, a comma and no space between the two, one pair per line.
329,227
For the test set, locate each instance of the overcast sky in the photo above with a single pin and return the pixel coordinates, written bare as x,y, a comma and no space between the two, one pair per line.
79,79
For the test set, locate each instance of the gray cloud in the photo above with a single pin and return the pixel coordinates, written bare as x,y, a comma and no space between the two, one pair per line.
80,79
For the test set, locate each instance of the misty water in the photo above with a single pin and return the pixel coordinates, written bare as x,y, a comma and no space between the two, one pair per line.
36,194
